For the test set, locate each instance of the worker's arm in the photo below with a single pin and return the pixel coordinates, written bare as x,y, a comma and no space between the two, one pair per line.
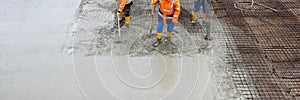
176,11
122,5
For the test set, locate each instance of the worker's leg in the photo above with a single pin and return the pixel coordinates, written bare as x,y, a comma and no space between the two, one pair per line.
127,12
159,30
170,29
160,26
197,4
204,9
195,10
208,11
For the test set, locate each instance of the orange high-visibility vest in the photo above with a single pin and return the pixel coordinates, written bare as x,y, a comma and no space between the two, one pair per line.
169,8
123,3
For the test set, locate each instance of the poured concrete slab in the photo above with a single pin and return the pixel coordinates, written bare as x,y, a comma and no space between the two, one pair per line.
34,66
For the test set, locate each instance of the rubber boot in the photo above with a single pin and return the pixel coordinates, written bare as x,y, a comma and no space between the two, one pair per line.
127,21
169,37
194,17
158,41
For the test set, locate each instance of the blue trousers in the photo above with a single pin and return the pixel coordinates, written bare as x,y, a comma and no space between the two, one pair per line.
160,25
205,5
198,4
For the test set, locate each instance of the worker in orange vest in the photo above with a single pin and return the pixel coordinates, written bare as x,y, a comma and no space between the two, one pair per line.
124,9
168,13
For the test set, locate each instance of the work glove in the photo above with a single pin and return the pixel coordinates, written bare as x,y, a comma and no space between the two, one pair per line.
153,2
118,13
175,19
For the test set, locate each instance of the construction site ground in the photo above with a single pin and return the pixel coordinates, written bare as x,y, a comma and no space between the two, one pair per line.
71,49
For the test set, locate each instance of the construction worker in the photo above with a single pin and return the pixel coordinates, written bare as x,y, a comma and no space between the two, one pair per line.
197,5
168,14
206,14
124,10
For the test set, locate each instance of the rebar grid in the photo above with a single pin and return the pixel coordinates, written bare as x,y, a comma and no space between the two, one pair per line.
264,48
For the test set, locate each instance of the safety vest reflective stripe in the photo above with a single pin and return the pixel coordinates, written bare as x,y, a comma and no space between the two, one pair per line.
164,10
165,17
128,1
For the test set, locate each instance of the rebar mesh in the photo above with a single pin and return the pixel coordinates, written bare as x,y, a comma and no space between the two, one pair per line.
264,48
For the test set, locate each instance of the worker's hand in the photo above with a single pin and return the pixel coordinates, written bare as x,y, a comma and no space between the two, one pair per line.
153,2
175,19
118,13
